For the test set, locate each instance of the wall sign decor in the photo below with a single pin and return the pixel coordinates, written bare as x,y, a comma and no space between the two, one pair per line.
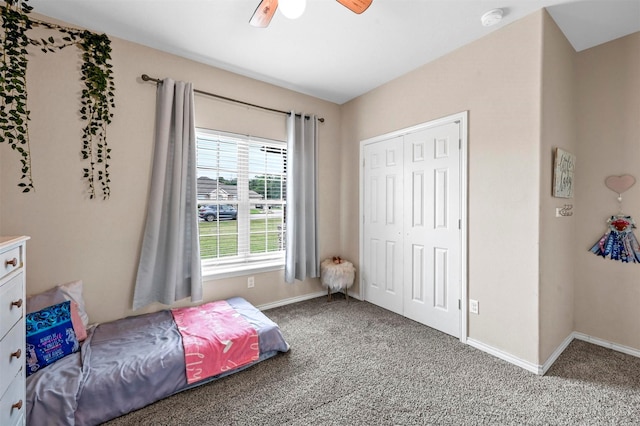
563,169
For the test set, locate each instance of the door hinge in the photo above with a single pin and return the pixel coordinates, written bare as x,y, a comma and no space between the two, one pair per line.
459,143
459,304
459,223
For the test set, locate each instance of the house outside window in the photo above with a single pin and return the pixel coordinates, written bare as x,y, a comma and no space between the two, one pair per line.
241,188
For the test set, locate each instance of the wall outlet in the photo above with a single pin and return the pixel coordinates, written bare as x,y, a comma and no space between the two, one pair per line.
251,282
474,306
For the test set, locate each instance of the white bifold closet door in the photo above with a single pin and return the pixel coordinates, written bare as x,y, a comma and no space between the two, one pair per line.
384,224
412,225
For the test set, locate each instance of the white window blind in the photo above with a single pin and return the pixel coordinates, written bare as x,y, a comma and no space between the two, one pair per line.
245,175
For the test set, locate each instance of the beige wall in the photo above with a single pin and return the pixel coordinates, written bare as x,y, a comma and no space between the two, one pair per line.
526,91
497,79
557,235
99,241
607,292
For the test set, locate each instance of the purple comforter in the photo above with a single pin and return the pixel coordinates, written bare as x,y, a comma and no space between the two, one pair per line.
125,365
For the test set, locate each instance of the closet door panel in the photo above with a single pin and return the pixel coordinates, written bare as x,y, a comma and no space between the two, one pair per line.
436,196
383,221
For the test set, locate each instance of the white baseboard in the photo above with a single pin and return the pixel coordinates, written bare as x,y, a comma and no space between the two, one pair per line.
554,356
607,344
291,300
302,298
505,356
355,295
542,369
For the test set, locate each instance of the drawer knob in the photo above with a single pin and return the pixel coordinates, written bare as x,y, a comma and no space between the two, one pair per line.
17,405
12,262
16,354
17,303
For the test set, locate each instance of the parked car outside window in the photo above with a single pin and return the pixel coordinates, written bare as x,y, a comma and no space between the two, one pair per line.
222,212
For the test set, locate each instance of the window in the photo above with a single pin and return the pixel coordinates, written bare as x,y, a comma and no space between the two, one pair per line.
241,198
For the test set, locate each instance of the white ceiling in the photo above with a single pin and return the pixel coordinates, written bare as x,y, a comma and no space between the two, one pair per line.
330,52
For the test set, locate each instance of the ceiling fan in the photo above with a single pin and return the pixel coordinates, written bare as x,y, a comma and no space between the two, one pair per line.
265,10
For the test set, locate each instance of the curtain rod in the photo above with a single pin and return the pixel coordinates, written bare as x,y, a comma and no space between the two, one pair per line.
145,77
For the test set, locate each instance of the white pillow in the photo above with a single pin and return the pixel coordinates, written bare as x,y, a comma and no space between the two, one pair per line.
59,294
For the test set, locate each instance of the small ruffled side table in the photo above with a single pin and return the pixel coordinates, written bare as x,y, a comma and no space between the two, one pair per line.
337,276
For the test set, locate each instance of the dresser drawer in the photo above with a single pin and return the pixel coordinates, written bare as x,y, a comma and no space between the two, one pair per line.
12,355
13,402
12,305
10,260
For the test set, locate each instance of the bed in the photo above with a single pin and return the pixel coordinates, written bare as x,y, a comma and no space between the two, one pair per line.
127,364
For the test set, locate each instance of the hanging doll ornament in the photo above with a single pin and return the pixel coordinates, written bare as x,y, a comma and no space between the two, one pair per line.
619,242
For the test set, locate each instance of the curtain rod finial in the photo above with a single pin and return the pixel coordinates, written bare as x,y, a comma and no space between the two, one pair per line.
145,77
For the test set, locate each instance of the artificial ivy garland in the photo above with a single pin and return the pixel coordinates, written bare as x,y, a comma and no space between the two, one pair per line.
96,98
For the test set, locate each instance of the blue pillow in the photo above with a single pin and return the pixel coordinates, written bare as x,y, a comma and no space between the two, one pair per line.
50,336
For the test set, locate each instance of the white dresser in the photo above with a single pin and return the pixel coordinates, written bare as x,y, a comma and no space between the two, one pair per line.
12,331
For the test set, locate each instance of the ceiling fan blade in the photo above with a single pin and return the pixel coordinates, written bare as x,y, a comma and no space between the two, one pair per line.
356,6
263,14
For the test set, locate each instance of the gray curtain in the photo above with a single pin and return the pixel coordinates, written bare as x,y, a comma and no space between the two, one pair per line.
302,199
169,268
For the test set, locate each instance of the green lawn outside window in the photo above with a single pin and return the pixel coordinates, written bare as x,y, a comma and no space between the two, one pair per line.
264,237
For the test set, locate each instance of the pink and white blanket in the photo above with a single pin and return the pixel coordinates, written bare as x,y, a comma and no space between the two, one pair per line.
216,339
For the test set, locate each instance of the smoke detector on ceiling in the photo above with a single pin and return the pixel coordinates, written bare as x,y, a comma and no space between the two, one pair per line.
492,17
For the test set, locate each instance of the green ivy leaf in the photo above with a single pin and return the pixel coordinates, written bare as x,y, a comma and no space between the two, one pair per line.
96,99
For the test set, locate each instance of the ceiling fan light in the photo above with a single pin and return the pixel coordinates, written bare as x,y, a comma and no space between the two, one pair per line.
292,9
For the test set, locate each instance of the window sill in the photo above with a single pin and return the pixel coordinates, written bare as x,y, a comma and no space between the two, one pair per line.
211,272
